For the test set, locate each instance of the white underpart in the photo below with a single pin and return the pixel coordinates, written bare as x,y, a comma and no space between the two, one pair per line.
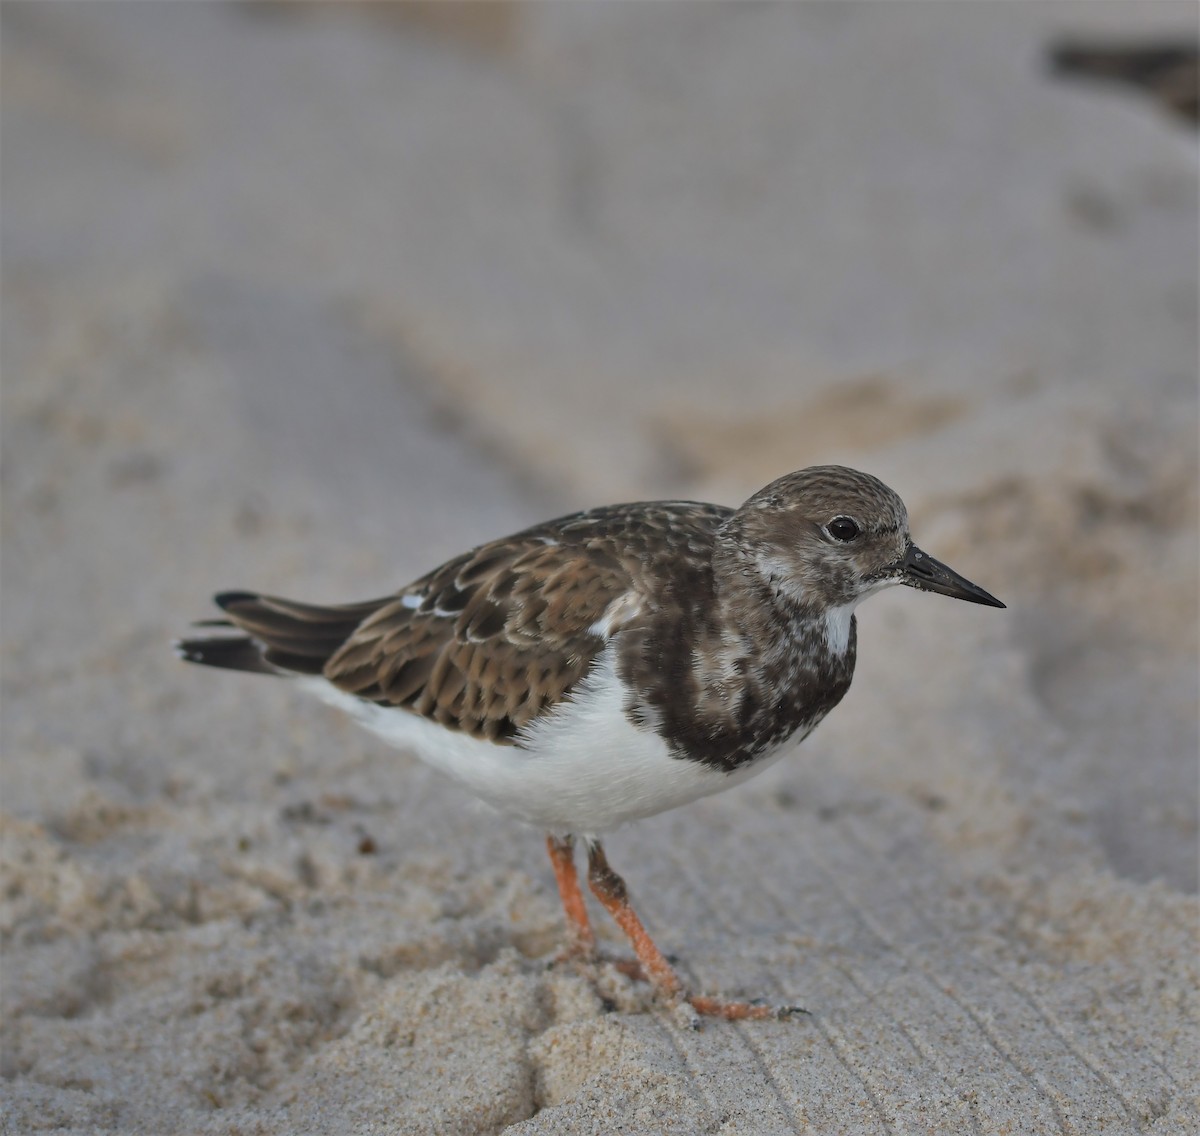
582,768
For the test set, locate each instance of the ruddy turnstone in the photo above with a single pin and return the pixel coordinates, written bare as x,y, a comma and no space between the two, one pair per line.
611,664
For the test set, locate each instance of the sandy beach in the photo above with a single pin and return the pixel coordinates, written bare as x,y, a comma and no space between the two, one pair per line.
309,298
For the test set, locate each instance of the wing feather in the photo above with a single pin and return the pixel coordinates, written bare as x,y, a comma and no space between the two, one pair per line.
492,638
487,641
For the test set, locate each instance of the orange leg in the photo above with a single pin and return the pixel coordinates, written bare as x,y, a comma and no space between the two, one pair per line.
581,941
610,889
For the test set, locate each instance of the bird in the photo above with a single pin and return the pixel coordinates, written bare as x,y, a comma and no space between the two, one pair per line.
608,665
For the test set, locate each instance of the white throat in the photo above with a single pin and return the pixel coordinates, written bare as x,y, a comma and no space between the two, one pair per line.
837,627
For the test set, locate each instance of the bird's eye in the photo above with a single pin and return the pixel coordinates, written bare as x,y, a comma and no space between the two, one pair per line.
842,528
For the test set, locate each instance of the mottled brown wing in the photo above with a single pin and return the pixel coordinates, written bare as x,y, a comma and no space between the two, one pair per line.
489,640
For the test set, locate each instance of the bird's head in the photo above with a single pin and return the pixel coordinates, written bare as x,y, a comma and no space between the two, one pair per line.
830,536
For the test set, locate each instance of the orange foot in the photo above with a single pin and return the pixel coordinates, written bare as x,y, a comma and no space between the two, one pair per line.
652,965
741,1011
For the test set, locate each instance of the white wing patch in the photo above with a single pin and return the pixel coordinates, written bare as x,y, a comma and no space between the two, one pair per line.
619,612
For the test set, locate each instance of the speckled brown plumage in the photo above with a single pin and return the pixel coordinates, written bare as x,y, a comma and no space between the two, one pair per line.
610,664
492,638
724,662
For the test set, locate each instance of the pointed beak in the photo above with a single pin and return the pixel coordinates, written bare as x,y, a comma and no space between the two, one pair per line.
918,570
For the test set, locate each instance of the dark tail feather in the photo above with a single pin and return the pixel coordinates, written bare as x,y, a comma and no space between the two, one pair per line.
240,653
281,636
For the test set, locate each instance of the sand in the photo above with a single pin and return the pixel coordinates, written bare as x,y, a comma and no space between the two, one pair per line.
309,299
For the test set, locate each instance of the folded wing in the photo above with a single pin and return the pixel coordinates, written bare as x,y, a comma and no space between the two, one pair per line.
482,644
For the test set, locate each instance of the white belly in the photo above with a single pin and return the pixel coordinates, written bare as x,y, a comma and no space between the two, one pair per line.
583,768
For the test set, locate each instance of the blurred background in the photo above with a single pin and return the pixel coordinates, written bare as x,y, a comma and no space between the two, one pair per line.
309,297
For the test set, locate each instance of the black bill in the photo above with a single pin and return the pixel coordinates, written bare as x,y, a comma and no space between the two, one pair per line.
919,570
